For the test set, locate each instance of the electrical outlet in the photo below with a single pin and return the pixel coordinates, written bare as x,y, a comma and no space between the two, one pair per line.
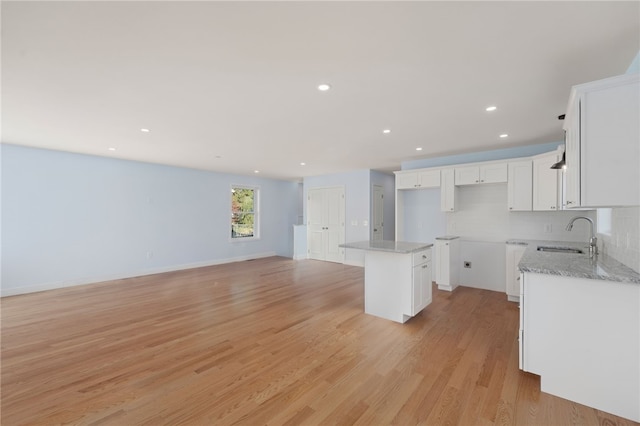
548,228
467,264
354,223
149,254
365,223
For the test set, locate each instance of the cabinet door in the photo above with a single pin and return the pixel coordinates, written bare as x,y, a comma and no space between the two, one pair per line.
545,183
421,287
572,157
493,173
429,179
406,180
443,262
447,191
520,186
514,254
467,175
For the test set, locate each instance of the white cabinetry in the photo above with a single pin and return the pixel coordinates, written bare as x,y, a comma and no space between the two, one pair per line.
546,182
519,186
602,127
448,193
421,285
582,336
447,262
397,285
490,173
418,179
514,254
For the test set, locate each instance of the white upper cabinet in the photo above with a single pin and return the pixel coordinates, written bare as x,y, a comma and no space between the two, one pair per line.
418,179
520,186
489,173
448,193
546,182
602,127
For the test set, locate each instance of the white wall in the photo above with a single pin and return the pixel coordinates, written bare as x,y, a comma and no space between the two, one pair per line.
423,220
71,219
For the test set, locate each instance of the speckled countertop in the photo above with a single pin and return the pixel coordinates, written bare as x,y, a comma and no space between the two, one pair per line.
388,246
447,237
603,267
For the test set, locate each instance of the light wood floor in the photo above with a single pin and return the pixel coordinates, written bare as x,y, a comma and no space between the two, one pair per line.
270,341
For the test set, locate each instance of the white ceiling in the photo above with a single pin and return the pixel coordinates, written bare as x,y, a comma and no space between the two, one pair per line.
231,86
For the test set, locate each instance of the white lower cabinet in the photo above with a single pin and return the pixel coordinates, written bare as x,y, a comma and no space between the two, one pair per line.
446,263
421,283
514,254
397,286
582,337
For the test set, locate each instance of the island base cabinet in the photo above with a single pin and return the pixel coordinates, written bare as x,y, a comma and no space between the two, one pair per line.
397,286
582,337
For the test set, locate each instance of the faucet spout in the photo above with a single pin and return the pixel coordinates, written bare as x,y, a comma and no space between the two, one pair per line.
593,241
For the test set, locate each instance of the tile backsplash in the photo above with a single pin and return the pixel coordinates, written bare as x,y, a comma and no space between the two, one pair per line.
619,234
482,215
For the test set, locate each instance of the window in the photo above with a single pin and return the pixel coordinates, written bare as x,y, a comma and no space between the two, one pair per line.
244,213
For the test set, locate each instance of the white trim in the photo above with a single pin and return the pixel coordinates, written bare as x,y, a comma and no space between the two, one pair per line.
62,284
300,256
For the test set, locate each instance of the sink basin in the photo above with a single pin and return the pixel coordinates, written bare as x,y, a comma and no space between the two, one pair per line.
555,249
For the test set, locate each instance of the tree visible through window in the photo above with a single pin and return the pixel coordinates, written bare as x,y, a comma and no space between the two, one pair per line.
244,203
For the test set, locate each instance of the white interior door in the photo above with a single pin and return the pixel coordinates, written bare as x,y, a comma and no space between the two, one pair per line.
377,230
326,223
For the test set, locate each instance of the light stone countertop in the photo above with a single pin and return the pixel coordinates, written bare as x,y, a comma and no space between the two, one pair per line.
603,267
388,246
447,237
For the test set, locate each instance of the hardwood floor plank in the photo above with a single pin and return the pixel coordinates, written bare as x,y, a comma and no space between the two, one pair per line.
270,341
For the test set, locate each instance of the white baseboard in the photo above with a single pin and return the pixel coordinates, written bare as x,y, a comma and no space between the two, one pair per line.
354,263
93,280
299,256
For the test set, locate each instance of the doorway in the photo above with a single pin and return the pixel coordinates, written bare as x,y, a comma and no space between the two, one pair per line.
326,224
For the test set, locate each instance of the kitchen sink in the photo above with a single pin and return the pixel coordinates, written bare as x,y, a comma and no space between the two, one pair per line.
555,249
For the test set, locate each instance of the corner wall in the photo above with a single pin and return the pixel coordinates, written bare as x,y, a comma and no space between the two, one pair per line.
70,219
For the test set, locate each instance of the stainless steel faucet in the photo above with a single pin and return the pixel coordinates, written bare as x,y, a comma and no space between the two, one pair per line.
593,241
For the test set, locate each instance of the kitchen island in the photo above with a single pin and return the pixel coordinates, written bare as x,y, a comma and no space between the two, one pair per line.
397,278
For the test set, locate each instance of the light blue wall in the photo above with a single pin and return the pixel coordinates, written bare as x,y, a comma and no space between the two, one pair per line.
388,182
498,154
71,219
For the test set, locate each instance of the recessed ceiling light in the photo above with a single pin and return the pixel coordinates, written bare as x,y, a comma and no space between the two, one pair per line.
324,87
144,130
418,149
112,149
491,108
256,171
386,131
303,164
504,135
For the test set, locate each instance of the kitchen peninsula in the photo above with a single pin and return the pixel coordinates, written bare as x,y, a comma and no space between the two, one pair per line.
397,278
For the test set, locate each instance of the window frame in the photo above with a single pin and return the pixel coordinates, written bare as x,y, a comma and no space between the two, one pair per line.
255,212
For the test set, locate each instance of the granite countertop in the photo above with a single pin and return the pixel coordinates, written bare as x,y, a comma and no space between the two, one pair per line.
603,267
388,246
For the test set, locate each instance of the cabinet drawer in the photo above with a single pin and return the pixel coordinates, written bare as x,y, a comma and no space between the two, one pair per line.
421,257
